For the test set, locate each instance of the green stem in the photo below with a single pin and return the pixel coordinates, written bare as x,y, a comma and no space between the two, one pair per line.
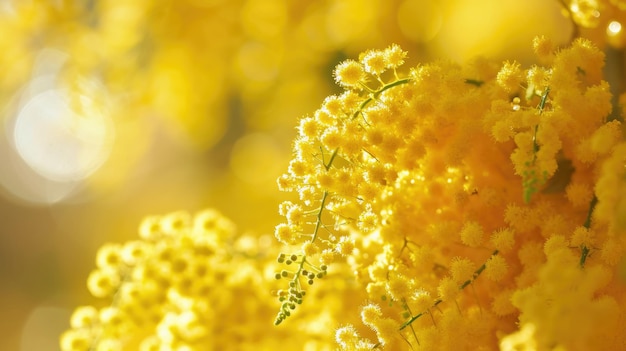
332,158
584,250
318,222
475,82
378,92
583,256
592,205
463,286
544,99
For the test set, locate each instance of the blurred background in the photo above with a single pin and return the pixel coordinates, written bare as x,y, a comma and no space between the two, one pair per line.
114,110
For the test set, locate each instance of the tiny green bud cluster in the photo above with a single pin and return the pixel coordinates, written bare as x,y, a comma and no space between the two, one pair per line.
295,294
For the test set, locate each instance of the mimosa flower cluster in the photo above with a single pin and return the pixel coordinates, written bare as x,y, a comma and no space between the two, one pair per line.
441,207
478,206
191,283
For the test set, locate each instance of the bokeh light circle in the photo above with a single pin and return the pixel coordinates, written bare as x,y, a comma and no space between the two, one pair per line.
58,143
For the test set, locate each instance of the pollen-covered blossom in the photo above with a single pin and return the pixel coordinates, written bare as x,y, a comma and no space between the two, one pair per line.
350,74
483,205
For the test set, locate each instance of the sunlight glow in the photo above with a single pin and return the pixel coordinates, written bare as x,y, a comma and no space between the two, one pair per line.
58,143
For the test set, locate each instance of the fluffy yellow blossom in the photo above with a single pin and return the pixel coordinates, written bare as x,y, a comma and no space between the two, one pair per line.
582,237
370,314
310,249
421,300
613,250
109,256
472,234
345,246
103,282
286,233
543,46
503,239
448,289
496,268
399,287
165,294
502,304
374,62
510,76
332,138
387,332
309,127
394,56
347,337
84,317
461,269
327,256
425,177
76,339
579,194
350,74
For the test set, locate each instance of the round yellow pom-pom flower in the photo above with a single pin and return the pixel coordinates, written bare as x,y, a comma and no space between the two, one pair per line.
461,269
448,289
370,314
510,76
103,282
374,62
496,268
472,234
503,239
543,46
350,74
394,56
346,336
